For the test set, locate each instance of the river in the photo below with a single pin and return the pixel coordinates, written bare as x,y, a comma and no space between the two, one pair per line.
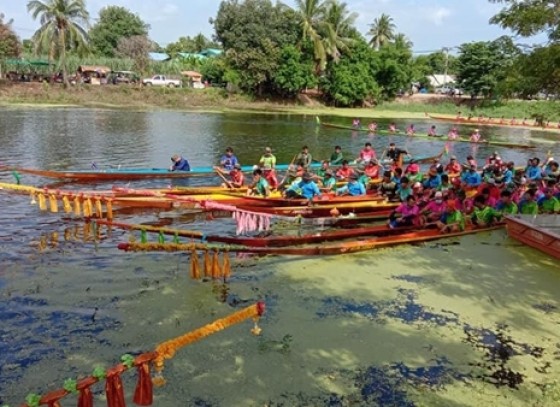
466,322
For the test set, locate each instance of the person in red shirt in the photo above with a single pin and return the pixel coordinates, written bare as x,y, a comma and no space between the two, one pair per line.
367,154
236,177
372,170
344,172
453,167
490,187
270,175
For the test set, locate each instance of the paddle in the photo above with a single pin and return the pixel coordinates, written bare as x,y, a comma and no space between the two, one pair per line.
287,171
229,185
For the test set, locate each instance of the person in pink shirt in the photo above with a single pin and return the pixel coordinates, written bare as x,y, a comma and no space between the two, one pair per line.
367,154
410,131
453,167
392,128
409,214
476,137
432,132
372,127
453,134
471,161
344,172
433,210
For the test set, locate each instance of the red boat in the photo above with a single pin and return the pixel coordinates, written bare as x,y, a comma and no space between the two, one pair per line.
541,232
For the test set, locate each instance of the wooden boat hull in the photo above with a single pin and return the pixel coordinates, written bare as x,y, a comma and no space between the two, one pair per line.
540,237
475,122
324,210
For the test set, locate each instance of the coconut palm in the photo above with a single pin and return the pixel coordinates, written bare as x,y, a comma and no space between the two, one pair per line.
402,42
311,13
61,28
339,26
382,31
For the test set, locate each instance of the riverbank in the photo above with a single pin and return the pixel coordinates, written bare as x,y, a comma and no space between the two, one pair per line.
217,100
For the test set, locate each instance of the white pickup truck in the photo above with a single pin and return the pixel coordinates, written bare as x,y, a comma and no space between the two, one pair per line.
161,80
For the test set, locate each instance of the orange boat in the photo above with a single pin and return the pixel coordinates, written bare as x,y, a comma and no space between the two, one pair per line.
475,121
541,232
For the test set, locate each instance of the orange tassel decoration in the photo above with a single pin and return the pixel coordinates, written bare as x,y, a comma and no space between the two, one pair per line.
66,204
53,203
32,197
98,208
109,206
195,267
216,271
226,267
77,206
114,389
144,394
42,202
207,265
88,208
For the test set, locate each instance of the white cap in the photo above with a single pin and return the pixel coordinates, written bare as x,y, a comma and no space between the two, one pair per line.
438,194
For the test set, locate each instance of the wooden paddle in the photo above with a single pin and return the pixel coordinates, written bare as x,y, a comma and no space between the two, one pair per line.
288,171
229,185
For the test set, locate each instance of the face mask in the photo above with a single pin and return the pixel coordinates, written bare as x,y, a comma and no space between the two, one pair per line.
438,201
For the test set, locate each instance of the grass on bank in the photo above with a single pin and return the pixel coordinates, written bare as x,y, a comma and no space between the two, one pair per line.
218,100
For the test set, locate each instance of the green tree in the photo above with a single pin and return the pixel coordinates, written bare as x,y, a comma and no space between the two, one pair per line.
351,81
483,65
27,45
395,71
401,42
10,46
339,27
382,31
538,71
113,24
311,13
530,17
183,44
61,28
295,72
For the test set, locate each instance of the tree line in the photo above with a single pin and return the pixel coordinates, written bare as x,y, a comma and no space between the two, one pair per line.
273,50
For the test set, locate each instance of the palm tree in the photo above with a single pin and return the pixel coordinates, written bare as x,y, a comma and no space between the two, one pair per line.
199,42
382,31
312,12
60,28
402,42
339,27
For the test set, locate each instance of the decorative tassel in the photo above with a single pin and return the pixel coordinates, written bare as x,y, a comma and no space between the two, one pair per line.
53,203
32,196
77,206
67,235
98,208
144,394
216,271
143,236
226,270
176,238
42,202
66,204
195,267
161,237
87,231
207,265
85,399
109,205
114,389
89,205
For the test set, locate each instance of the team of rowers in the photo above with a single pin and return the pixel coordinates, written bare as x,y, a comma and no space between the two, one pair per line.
447,195
506,122
453,134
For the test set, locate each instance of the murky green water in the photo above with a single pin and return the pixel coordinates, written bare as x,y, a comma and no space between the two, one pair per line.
471,322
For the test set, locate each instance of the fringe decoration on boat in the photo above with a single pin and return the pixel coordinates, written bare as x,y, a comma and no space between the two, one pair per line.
143,394
85,399
195,267
246,221
53,203
98,208
216,270
66,204
77,206
226,270
114,388
109,205
207,265
176,238
32,198
143,236
42,202
161,237
167,350
89,205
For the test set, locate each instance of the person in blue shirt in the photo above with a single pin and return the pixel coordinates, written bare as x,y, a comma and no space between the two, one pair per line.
471,177
533,172
179,164
228,160
307,188
509,172
434,179
353,188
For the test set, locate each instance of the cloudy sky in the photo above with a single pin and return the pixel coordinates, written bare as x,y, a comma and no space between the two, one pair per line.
430,24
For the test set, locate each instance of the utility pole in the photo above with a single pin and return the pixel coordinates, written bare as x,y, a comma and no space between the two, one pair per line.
446,53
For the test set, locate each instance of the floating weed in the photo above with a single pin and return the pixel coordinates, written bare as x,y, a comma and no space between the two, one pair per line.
282,346
409,278
546,307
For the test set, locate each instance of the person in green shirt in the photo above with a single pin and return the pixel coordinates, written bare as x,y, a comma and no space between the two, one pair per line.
336,156
260,186
549,204
484,215
267,158
304,158
452,220
506,204
528,205
320,173
329,182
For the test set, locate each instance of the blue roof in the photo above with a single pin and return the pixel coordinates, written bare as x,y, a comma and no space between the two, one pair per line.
190,55
211,52
158,56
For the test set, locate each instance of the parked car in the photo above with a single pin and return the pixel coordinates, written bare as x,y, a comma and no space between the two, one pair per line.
444,90
161,80
118,77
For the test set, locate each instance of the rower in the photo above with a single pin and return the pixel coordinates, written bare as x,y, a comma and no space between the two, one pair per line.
549,203
267,158
304,158
471,178
404,190
434,210
259,186
392,127
410,131
269,174
353,188
413,172
409,214
336,156
388,186
506,204
228,160
434,179
453,134
394,154
452,219
345,171
484,215
372,169
366,154
432,132
476,137
372,127
356,123
453,167
329,181
306,188
236,177
179,164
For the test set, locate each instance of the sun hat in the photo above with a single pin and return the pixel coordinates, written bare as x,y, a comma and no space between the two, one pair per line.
438,194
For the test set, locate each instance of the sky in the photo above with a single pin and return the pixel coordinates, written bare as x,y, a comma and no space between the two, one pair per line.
430,24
